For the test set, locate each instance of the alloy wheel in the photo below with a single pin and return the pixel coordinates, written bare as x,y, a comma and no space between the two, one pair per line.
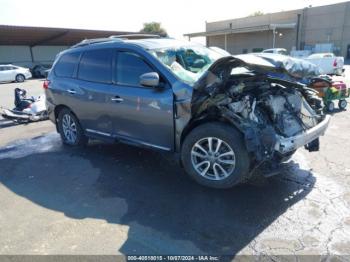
69,129
213,158
19,78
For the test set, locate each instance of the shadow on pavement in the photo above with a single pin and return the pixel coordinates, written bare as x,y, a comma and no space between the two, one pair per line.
166,212
336,110
8,123
4,123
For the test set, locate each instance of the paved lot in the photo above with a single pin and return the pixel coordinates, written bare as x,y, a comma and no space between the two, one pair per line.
112,199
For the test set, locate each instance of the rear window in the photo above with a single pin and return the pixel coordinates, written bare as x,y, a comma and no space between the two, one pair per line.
96,66
66,65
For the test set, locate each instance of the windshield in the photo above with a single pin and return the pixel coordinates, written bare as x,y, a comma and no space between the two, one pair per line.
187,62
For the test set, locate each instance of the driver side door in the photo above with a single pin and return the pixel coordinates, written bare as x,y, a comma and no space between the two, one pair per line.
144,115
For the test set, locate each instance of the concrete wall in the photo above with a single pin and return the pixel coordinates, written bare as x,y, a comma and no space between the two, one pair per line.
239,43
20,55
14,54
46,53
324,24
328,24
345,45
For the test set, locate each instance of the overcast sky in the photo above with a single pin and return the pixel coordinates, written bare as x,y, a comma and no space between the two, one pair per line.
177,17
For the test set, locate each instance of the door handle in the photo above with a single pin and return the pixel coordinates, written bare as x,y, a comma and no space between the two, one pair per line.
71,91
117,99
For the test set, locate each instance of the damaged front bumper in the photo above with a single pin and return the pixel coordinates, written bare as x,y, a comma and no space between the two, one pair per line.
285,145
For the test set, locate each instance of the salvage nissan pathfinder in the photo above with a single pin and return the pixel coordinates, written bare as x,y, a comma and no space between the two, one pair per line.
224,116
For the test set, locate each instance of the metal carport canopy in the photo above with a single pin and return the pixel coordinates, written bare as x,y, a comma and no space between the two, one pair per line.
33,36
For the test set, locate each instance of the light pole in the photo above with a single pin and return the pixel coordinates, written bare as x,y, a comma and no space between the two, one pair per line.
274,36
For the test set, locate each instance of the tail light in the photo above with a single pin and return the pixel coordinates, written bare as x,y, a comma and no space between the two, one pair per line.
335,63
46,84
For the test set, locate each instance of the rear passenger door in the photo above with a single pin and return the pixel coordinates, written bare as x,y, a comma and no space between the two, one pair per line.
144,114
95,87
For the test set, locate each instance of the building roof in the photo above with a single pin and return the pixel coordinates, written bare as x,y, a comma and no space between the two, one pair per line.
32,36
249,29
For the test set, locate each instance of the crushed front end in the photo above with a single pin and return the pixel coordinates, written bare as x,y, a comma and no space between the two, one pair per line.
275,114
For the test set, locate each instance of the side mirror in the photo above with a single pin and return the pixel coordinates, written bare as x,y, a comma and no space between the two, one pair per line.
150,79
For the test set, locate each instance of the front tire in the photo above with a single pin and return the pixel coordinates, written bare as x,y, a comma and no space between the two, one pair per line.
20,78
214,155
70,130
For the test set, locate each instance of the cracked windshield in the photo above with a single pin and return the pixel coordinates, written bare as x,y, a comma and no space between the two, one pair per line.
187,63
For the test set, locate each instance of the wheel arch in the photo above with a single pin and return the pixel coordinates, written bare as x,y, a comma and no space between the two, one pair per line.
203,120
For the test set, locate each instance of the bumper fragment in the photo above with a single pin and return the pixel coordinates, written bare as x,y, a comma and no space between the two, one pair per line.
285,145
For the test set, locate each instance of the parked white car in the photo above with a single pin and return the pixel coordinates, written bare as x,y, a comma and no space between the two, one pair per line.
10,73
328,63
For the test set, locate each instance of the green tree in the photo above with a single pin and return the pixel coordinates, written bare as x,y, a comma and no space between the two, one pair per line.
153,28
257,13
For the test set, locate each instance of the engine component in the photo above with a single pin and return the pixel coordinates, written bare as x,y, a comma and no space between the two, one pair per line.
245,108
290,112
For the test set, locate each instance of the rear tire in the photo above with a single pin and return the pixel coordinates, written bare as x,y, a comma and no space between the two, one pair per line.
223,163
20,78
342,104
70,130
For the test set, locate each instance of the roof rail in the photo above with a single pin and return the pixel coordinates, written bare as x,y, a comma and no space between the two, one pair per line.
94,41
134,36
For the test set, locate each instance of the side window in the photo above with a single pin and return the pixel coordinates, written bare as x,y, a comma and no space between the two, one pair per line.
257,50
130,67
96,66
66,65
1,68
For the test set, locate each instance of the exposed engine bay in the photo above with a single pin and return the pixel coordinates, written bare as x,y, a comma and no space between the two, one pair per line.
269,103
266,109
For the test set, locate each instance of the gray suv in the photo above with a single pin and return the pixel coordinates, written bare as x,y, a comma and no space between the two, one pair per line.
224,116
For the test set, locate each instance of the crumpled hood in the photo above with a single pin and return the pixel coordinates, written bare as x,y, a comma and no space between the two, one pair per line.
295,67
273,65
